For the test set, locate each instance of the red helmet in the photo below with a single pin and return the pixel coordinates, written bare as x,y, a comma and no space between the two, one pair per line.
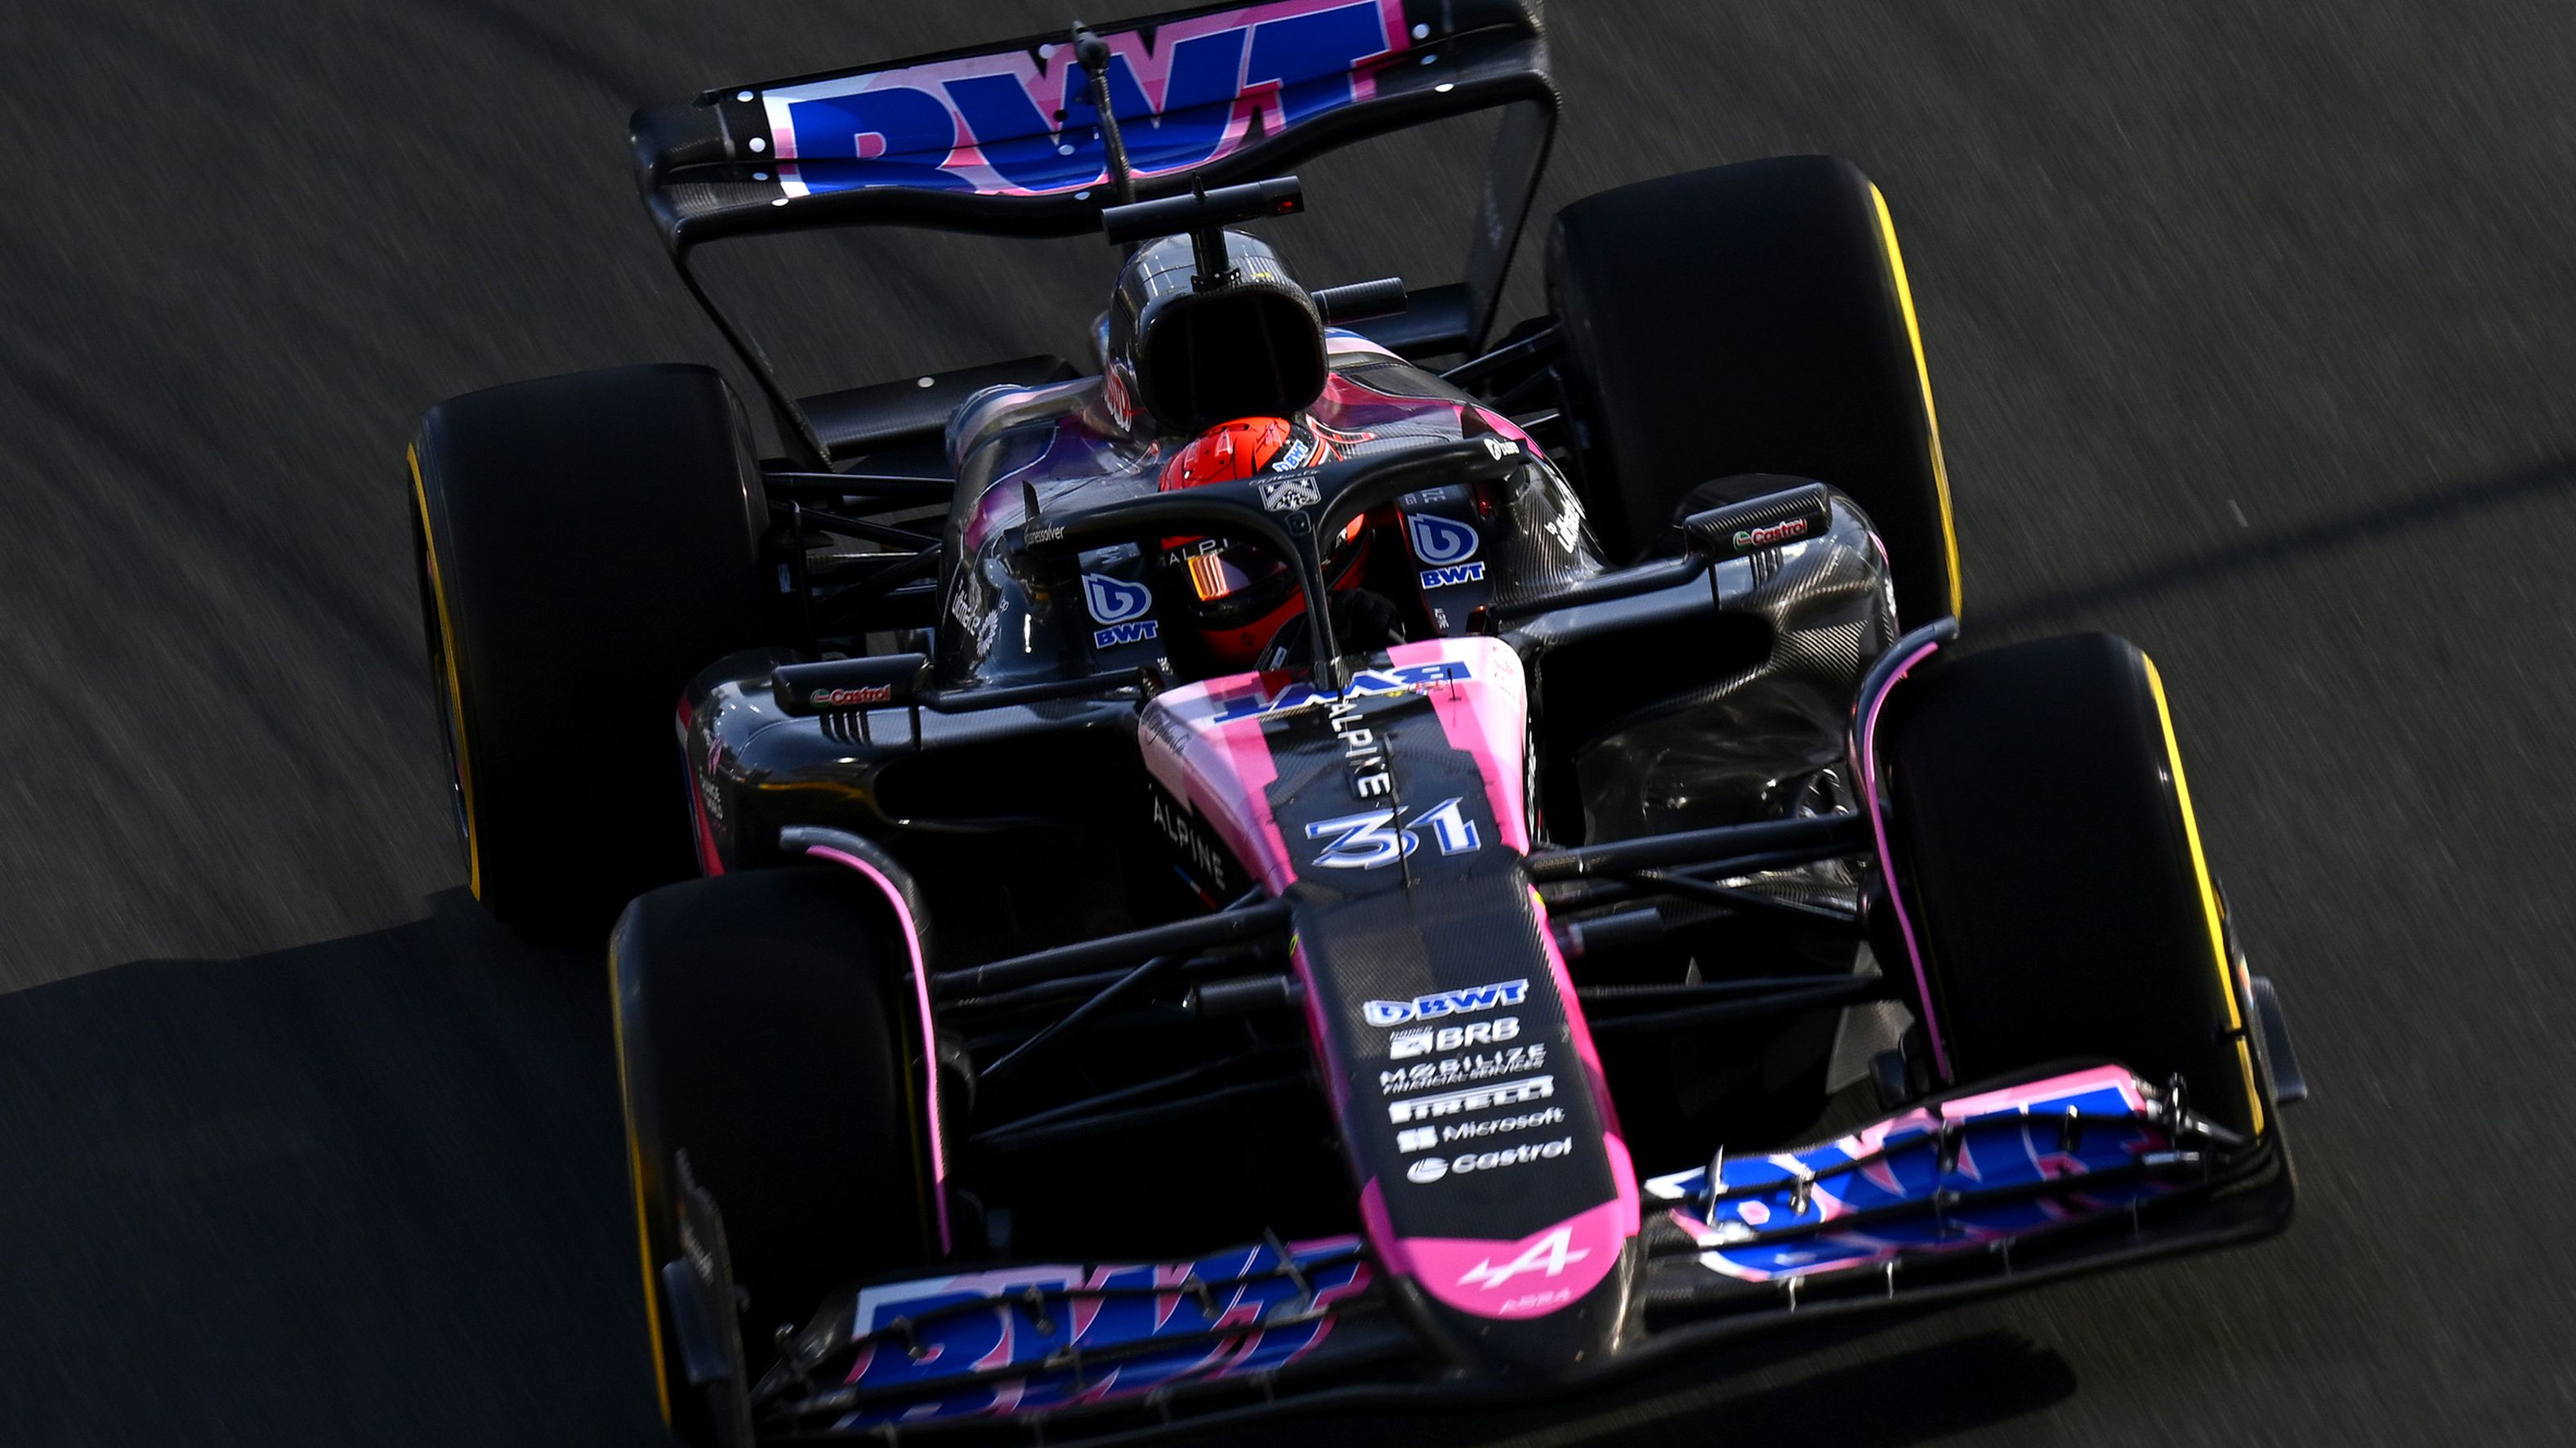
1239,596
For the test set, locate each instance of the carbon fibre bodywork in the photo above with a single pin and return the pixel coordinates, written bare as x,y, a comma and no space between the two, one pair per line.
1710,683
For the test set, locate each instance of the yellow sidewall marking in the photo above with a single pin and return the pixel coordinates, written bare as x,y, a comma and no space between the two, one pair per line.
1923,375
455,693
635,1174
2208,895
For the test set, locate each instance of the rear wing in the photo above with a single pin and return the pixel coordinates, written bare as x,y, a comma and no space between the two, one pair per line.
1004,139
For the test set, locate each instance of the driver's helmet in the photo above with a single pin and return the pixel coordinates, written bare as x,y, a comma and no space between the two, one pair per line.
1237,596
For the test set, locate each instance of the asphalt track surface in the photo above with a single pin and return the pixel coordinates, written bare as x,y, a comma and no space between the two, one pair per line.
2252,328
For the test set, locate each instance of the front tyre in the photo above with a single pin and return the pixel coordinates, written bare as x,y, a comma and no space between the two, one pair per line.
585,544
758,1033
2054,869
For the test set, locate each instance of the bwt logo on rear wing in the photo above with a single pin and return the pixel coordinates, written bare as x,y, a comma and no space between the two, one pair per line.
1022,122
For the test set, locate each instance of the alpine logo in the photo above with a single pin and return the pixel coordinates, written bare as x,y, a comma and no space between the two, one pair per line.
1550,1255
1444,577
1447,1003
1437,540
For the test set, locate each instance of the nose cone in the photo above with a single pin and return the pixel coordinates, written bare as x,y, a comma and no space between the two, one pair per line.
1541,1306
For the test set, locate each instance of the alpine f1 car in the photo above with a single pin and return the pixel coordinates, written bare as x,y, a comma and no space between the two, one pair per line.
1254,870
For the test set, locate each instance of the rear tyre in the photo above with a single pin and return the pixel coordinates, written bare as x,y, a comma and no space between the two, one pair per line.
2055,873
1751,319
757,1031
585,544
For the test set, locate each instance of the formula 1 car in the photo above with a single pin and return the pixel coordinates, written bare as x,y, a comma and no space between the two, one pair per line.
1253,871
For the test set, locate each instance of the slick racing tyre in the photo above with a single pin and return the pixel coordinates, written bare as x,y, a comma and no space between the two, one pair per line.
2049,858
1744,320
585,545
758,1034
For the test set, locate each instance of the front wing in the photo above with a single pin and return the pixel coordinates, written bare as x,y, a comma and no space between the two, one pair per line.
1998,1185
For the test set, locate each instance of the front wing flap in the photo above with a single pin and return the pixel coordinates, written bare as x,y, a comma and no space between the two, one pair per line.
1999,1185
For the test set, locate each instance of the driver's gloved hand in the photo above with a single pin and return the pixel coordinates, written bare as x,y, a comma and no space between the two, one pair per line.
1363,622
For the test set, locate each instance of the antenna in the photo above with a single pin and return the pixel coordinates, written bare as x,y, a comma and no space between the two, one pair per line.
1093,53
1204,215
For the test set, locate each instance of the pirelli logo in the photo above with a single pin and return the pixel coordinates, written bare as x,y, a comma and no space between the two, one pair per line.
1458,1103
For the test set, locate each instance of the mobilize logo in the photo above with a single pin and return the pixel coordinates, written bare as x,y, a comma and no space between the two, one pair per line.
1480,1098
1447,1003
1550,1255
864,694
1432,1168
1404,1045
1120,607
1460,1070
1365,841
1775,533
1423,1138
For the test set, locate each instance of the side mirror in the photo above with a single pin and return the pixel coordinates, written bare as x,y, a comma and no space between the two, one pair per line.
1740,529
840,685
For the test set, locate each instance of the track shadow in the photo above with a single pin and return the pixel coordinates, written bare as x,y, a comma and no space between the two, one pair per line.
2444,504
1809,1383
1903,1398
368,1191
371,1191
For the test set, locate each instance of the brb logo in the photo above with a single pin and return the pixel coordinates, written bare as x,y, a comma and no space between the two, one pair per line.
1121,608
1022,123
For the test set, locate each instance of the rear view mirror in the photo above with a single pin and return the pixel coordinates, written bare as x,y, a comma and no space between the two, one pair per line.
838,685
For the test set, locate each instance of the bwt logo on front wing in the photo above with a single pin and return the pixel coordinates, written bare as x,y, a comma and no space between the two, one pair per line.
1447,1003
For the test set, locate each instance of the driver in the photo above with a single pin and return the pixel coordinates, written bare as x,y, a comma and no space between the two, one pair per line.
1233,363
1237,599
